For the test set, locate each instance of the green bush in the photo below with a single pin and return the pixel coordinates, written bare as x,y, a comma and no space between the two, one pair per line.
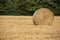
27,7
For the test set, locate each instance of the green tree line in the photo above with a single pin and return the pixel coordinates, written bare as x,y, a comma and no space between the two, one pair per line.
27,7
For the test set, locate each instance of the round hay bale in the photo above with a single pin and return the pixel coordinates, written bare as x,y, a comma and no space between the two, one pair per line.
43,16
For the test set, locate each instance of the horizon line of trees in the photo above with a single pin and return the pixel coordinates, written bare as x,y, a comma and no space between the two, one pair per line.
27,7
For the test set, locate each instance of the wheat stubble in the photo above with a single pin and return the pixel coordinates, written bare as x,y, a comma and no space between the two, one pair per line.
29,32
13,28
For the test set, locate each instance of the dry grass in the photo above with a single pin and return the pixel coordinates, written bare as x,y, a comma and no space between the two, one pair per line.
22,28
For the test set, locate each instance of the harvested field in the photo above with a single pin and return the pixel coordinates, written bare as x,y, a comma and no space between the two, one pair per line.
22,28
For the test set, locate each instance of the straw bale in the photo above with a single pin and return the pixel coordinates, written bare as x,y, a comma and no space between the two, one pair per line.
43,16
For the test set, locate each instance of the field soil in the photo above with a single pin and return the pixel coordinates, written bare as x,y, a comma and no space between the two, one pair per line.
23,28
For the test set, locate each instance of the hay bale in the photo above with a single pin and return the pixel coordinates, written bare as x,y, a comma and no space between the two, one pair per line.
43,16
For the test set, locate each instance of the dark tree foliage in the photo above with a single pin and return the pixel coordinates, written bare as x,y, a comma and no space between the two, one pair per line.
27,7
